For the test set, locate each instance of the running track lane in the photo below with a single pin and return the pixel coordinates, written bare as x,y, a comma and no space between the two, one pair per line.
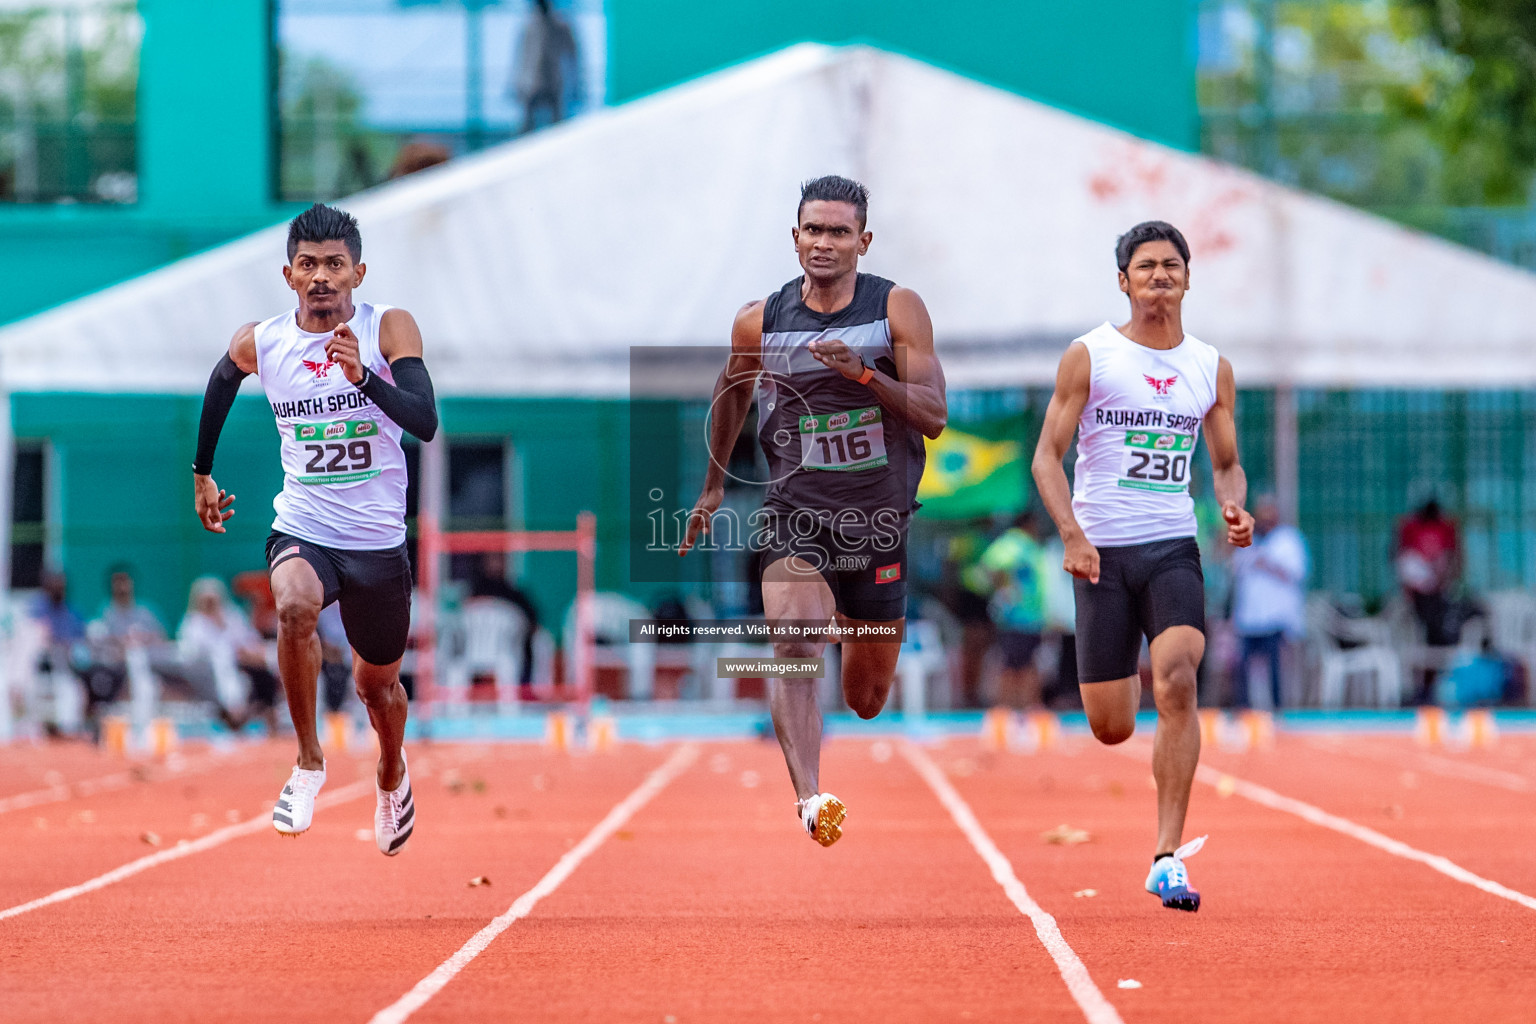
1299,923
64,843
715,906
321,928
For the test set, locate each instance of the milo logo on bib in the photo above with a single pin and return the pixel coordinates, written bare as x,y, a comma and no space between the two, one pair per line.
335,430
839,420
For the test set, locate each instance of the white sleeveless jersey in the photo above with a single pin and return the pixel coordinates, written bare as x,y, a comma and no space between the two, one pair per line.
1136,438
343,467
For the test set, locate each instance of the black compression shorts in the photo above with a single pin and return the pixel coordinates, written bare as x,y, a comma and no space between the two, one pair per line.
867,575
374,588
1143,590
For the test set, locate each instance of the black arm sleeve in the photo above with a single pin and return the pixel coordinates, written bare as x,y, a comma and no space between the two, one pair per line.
223,386
408,401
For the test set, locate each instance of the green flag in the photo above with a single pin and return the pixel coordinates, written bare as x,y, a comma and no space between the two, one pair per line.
978,471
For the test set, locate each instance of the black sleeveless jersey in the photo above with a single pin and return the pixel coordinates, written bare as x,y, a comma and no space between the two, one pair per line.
832,448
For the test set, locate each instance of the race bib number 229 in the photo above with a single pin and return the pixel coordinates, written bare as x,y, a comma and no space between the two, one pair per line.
336,453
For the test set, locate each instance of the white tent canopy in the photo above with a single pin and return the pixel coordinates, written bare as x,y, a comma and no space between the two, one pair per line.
534,267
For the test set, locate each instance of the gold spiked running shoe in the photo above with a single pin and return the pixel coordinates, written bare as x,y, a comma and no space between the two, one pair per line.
823,816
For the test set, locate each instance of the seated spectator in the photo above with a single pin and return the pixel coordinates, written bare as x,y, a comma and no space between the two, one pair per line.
214,632
122,624
63,629
1268,597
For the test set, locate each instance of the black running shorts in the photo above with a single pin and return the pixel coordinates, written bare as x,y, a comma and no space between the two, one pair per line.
374,588
867,575
1143,590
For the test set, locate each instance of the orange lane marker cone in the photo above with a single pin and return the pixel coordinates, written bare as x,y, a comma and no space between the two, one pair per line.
1429,727
559,730
602,730
114,734
1041,730
997,729
338,730
1210,726
1260,729
1482,729
162,736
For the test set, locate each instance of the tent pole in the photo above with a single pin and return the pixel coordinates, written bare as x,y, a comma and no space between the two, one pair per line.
7,486
432,490
1287,454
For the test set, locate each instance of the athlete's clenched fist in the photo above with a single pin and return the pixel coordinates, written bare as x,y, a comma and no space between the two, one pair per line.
343,349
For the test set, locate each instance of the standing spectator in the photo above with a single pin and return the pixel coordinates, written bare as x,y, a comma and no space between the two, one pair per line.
215,635
1428,562
544,67
1269,598
963,590
1018,608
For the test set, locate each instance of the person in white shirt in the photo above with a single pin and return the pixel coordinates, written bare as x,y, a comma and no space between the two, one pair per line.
1269,597
214,638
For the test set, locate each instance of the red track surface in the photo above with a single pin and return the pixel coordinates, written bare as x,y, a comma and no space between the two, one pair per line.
708,906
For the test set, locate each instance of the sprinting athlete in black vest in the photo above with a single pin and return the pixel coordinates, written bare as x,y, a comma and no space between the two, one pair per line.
847,386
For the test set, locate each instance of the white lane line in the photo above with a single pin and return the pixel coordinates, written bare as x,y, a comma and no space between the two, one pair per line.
1089,999
521,907
173,769
179,851
1432,763
1317,816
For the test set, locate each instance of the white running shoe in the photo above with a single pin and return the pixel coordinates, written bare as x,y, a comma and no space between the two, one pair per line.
822,815
395,816
295,807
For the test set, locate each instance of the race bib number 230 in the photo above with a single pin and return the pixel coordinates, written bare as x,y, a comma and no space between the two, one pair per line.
336,453
1156,461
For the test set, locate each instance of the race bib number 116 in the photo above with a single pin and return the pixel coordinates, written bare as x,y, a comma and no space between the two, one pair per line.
843,441
1153,461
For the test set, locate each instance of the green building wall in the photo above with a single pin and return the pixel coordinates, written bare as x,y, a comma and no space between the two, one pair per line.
1128,64
120,487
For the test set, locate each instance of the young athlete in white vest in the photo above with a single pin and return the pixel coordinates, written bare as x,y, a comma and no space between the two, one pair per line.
344,380
1138,397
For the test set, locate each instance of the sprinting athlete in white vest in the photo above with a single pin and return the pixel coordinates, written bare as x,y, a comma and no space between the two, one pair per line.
344,379
1138,396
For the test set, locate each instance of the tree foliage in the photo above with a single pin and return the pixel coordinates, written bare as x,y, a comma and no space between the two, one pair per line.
1482,108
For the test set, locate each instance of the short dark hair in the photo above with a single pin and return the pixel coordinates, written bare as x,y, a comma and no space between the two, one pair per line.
321,223
833,188
1148,231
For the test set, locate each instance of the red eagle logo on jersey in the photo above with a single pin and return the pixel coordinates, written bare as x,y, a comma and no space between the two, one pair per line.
321,369
1160,387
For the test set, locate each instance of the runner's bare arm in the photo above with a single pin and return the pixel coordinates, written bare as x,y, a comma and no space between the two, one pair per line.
409,401
1071,394
917,390
728,411
1227,473
211,504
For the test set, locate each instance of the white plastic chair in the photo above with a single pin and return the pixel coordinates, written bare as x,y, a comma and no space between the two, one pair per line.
1512,628
611,614
1372,654
489,634
922,657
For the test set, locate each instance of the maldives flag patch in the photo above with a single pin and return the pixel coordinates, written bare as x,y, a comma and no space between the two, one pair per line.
888,573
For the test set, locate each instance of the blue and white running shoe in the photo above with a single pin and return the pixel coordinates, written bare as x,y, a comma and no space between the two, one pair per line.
1169,880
